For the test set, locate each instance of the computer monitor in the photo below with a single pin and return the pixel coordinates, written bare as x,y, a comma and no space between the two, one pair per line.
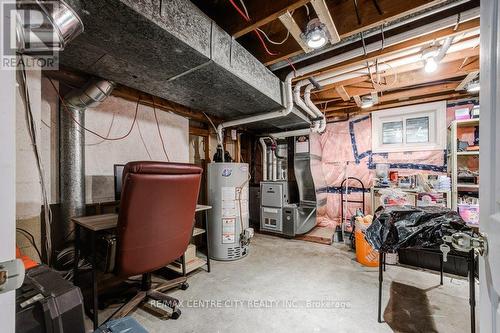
118,171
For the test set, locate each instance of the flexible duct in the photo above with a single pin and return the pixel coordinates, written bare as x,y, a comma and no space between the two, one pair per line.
72,149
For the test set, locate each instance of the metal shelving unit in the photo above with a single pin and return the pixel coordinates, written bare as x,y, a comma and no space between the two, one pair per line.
453,159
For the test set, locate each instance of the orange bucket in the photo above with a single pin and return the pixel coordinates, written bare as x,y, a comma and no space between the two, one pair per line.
365,254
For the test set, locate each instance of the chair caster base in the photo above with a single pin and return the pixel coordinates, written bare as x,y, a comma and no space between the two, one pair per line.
175,314
184,286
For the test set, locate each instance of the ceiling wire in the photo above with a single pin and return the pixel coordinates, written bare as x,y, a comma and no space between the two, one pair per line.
272,41
66,109
159,130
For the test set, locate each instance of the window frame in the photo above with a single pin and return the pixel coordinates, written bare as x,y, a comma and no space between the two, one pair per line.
436,112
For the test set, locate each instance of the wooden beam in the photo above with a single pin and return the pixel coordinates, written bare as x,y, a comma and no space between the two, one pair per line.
132,94
261,13
357,99
76,79
408,76
444,72
325,17
344,16
415,92
471,76
449,96
403,46
342,93
344,13
294,30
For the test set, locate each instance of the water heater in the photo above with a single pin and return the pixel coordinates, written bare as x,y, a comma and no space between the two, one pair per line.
228,229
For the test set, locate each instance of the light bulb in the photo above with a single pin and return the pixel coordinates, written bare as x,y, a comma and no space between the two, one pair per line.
366,104
316,41
430,65
473,87
315,35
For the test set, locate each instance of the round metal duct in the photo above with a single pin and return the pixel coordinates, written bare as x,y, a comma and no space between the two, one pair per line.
45,25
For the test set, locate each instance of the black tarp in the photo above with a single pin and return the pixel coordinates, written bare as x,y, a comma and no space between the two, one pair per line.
397,227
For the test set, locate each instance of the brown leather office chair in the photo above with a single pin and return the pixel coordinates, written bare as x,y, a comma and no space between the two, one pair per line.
155,224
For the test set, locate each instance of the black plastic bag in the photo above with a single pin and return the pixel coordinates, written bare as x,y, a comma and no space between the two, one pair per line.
396,227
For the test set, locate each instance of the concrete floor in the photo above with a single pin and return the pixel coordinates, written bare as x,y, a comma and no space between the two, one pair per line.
303,275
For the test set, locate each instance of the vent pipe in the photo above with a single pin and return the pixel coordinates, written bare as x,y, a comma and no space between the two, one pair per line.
45,26
72,149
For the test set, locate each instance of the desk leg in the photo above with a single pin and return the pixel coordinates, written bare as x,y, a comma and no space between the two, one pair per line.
95,310
208,242
441,267
381,264
77,255
472,291
183,263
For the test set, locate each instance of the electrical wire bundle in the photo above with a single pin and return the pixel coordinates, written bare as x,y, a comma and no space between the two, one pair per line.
32,132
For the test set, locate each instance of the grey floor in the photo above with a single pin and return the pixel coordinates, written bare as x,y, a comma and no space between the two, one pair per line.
296,286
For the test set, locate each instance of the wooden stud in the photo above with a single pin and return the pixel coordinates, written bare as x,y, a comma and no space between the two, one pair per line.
471,76
344,16
261,13
294,30
325,17
342,93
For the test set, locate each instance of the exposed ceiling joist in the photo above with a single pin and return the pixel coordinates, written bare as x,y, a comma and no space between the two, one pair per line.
289,22
415,92
261,13
325,17
447,71
406,45
344,16
470,77
449,96
343,93
389,75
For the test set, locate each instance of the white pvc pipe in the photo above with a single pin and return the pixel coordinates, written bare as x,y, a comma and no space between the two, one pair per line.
264,158
312,106
413,33
265,116
445,22
298,100
286,134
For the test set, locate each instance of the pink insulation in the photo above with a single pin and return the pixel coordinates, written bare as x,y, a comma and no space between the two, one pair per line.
344,150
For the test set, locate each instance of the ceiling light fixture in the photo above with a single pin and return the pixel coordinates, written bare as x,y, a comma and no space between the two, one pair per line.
429,55
316,34
367,102
473,86
430,65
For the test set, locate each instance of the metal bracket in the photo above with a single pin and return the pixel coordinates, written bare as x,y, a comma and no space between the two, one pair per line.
464,243
11,275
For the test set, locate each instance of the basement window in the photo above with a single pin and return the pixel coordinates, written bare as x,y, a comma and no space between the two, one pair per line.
410,128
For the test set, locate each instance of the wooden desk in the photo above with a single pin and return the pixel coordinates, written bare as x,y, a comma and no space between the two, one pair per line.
98,223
